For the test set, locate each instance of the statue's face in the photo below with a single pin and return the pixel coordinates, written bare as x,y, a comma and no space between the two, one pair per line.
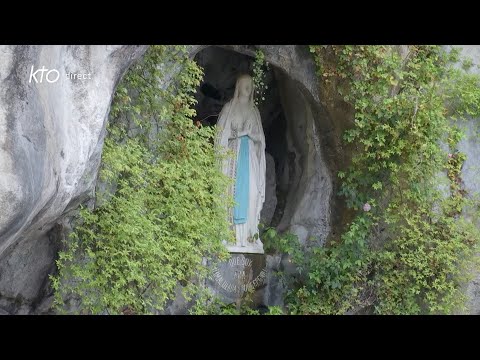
245,87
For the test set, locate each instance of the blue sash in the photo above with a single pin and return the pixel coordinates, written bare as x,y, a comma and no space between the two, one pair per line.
242,184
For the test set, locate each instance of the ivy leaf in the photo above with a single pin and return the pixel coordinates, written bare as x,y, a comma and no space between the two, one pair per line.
377,185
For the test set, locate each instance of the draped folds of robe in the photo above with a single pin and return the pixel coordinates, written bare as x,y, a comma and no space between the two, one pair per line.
241,132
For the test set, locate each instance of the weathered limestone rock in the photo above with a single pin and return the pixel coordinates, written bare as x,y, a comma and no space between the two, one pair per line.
470,145
50,147
270,192
51,137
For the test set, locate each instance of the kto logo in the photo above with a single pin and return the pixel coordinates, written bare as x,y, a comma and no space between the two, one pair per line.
51,76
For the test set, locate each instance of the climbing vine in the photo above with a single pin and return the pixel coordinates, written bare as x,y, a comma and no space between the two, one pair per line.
259,67
407,248
209,304
162,215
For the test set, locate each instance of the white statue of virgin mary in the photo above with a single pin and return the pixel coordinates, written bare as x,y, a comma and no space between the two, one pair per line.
241,132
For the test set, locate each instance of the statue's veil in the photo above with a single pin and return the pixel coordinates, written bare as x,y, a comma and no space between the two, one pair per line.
235,96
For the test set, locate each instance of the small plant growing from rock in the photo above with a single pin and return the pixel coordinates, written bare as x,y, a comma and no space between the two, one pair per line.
259,68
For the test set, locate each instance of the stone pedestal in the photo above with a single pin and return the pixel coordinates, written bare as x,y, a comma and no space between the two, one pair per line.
240,274
236,249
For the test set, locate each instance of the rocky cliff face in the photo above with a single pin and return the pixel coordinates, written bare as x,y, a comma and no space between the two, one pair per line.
51,137
470,145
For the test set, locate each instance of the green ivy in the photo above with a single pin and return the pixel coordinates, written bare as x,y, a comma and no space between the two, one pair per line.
409,246
259,66
164,215
209,304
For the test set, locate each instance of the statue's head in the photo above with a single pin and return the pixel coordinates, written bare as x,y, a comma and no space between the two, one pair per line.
244,87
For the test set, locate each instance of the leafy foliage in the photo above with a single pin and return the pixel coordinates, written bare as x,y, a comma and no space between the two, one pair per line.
259,66
407,248
208,304
164,213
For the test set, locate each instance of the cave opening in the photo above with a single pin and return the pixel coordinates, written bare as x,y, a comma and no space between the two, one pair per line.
221,70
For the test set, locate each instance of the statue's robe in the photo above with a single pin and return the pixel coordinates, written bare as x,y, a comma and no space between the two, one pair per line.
241,132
